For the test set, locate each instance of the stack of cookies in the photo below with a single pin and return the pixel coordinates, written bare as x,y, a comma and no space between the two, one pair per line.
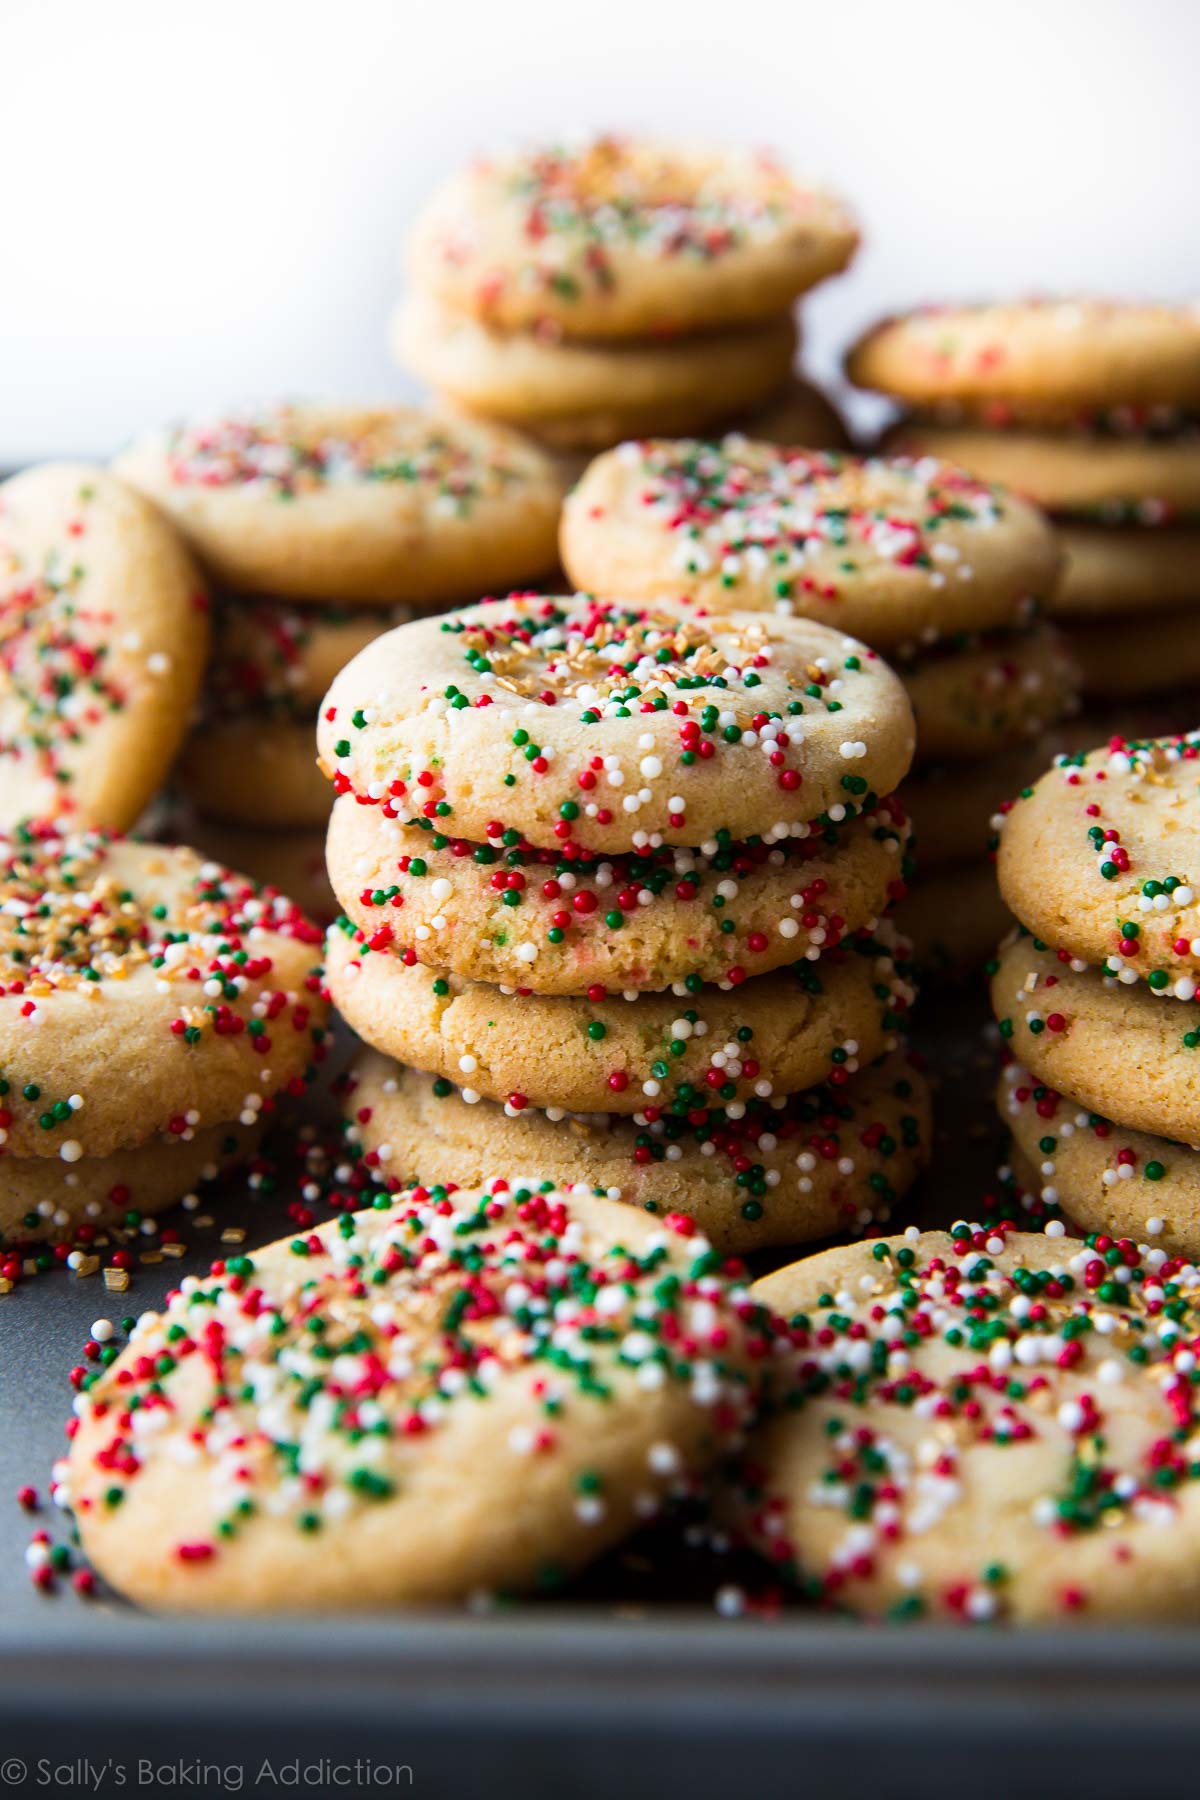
319,526
614,878
1090,409
620,287
1097,993
937,570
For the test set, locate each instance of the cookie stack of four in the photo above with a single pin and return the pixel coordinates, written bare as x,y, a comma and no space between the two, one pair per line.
614,880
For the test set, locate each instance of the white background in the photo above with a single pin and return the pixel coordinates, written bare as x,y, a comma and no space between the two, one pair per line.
202,200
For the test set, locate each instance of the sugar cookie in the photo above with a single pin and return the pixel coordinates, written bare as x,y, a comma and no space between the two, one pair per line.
992,694
374,506
1036,356
411,1404
644,921
981,1425
621,237
103,636
689,1054
1104,1177
143,990
1124,1052
586,396
1101,857
832,1160
1113,569
605,725
897,552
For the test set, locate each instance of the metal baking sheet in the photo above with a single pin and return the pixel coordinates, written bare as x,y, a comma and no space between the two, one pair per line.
631,1682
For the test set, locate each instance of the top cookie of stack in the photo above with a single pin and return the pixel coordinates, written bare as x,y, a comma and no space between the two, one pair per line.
618,287
1090,408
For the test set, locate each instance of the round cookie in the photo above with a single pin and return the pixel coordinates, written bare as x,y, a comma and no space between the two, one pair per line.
799,414
990,695
143,990
603,724
375,506
442,1395
1125,1052
244,772
533,919
832,1160
1136,658
1036,357
1117,480
1101,857
1111,569
1105,1178
895,551
954,918
586,396
981,1425
620,237
43,1198
103,636
692,1054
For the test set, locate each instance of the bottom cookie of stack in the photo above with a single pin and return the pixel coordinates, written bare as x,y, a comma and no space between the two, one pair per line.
833,1160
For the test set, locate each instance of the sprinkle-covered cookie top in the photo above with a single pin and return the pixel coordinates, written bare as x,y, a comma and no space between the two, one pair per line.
287,451
103,633
896,550
531,1348
589,721
983,1424
130,972
1038,361
1101,857
375,506
615,236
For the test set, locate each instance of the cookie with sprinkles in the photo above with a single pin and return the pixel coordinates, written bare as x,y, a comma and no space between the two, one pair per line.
615,237
1055,361
1101,858
1115,480
1122,569
143,990
103,636
991,693
506,911
246,772
586,396
614,726
1105,1177
899,552
689,1053
448,1393
373,505
832,1160
44,1199
981,1424
1128,1053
